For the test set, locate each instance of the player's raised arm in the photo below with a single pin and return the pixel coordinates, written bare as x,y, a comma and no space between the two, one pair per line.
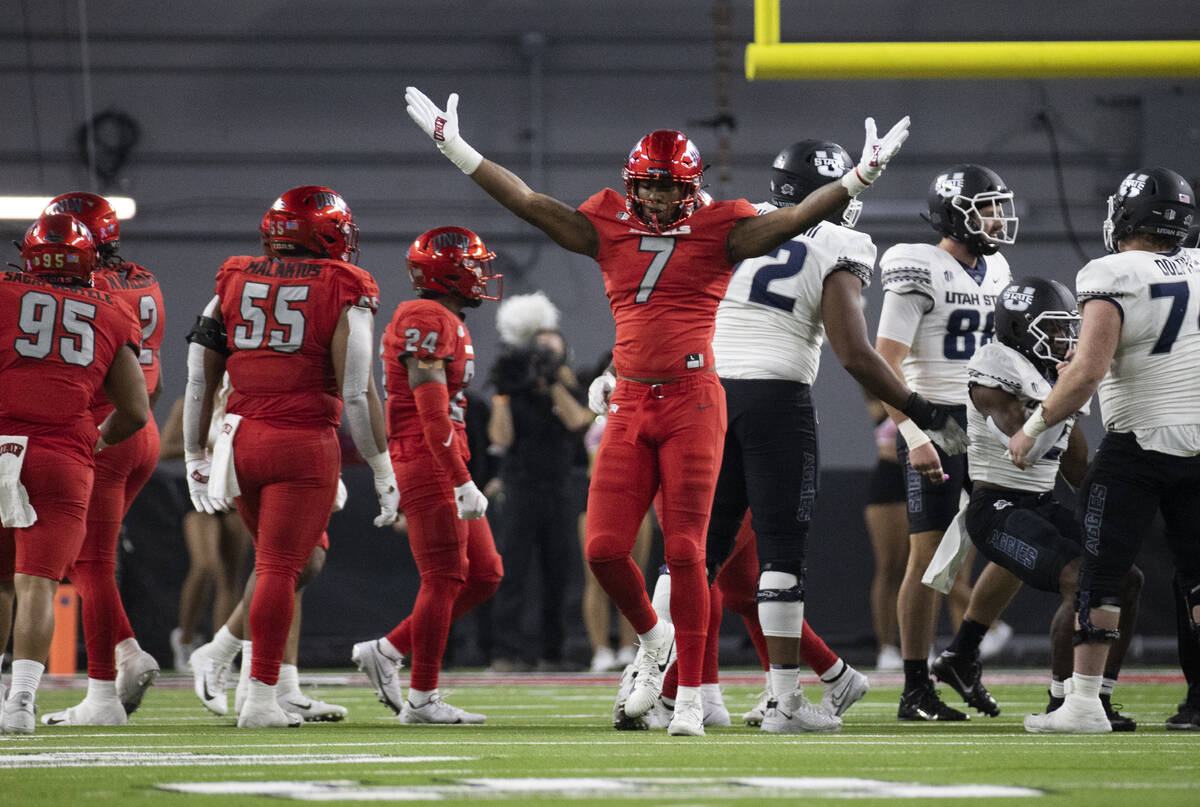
569,228
751,237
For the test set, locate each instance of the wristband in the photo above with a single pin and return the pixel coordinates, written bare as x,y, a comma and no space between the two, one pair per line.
912,434
459,152
1036,424
381,464
853,182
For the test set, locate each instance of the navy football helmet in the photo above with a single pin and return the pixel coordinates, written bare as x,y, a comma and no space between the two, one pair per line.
1038,318
803,167
956,199
1153,201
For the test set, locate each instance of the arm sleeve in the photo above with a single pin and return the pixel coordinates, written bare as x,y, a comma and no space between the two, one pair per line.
357,411
901,316
433,407
193,395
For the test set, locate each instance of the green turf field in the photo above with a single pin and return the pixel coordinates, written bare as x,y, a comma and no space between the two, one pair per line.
548,740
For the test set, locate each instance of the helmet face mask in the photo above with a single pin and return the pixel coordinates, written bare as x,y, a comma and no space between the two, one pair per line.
803,167
97,215
971,204
453,260
663,156
1037,318
59,245
1156,202
311,219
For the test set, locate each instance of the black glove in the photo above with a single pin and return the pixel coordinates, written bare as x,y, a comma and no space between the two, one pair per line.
925,414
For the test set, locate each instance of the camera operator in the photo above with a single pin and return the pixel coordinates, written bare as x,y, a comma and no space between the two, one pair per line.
538,423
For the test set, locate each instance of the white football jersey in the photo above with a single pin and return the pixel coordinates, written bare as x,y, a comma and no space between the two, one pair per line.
958,319
999,366
1154,380
769,324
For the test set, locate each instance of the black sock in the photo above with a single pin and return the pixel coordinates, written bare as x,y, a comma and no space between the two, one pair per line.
966,641
916,674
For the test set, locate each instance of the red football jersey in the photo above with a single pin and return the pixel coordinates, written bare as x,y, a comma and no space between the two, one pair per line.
280,315
138,287
427,330
663,289
56,345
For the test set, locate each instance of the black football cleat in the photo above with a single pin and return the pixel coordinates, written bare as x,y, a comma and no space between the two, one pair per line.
1118,721
963,674
1186,719
924,704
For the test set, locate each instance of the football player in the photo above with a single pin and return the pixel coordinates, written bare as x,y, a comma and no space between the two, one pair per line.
61,340
428,361
666,253
293,328
113,654
938,307
1139,346
1013,518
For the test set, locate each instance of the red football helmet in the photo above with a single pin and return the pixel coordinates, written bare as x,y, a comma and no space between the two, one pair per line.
312,218
664,155
453,259
95,213
59,244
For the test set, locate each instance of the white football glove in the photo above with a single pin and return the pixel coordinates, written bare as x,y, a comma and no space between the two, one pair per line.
599,392
389,499
471,502
198,472
442,126
877,151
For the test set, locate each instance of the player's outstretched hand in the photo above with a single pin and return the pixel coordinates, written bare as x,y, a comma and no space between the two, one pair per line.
877,152
442,127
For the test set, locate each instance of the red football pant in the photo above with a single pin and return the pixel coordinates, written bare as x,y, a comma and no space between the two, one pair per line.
457,560
288,479
121,471
59,484
669,436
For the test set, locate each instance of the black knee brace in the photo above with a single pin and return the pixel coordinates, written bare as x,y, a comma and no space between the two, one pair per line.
1087,633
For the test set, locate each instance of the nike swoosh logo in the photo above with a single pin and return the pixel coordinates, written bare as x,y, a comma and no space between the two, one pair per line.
449,439
207,695
50,721
301,705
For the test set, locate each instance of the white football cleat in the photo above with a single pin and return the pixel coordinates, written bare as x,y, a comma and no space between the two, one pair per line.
270,716
651,669
382,672
848,689
311,709
17,715
209,679
995,640
135,674
1077,715
438,711
88,713
688,719
754,717
603,660
621,721
793,714
889,659
715,711
181,651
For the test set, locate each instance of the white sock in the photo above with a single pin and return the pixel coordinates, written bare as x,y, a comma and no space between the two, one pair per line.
1057,688
835,671
1108,685
26,676
419,697
289,679
784,679
688,695
661,600
711,693
261,695
127,648
244,670
101,692
655,634
389,650
1086,686
225,646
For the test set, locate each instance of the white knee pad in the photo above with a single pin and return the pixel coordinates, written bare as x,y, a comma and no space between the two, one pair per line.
781,612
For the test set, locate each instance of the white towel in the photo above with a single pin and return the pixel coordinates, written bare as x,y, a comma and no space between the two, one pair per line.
222,479
339,500
15,509
950,554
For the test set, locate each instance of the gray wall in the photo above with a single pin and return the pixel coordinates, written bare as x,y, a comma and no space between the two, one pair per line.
237,102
